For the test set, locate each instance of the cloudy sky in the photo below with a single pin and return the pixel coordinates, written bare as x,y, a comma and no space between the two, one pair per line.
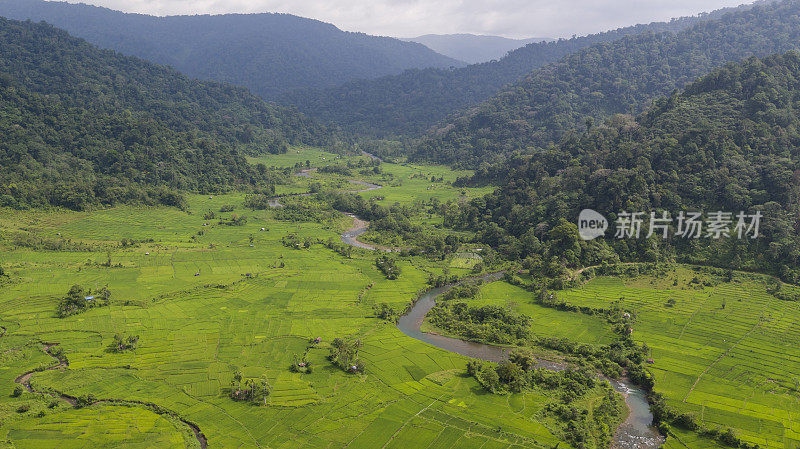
408,18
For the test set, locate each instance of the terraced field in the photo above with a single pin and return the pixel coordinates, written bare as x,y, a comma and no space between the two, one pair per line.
726,352
200,318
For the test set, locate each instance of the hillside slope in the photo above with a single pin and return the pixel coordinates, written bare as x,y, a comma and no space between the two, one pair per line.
616,77
729,143
267,53
83,126
414,101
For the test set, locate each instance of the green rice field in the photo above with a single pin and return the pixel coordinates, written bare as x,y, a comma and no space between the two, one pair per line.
726,352
207,301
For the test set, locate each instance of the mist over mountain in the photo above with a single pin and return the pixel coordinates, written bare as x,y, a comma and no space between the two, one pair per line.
472,48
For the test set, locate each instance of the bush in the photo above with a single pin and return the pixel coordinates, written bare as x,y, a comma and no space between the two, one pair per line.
85,400
388,267
384,311
121,344
250,390
17,392
79,300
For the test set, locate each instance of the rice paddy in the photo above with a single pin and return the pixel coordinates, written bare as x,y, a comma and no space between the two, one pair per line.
726,352
208,300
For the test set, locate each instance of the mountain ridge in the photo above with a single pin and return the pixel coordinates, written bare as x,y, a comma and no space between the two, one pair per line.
269,53
411,103
84,127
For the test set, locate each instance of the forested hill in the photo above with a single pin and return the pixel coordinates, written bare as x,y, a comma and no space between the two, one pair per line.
729,142
267,53
414,101
608,78
82,126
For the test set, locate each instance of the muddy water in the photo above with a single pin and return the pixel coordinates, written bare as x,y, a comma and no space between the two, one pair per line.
637,432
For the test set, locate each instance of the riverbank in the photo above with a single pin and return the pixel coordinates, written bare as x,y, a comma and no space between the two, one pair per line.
635,432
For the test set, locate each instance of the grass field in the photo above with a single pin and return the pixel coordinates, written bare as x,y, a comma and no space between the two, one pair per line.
200,318
726,352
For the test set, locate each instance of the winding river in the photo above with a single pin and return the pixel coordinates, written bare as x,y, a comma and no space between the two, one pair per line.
636,432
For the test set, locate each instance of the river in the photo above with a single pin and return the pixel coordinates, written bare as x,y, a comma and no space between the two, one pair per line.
636,432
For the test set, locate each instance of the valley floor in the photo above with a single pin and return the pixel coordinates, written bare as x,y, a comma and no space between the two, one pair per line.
209,299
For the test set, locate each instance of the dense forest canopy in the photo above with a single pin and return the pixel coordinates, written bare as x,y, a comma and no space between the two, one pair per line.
728,142
414,101
84,126
267,53
607,78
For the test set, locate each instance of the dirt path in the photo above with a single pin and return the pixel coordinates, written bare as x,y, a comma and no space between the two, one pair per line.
24,379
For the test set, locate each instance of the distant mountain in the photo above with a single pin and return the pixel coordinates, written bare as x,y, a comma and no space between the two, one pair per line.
267,53
83,127
607,78
414,101
472,48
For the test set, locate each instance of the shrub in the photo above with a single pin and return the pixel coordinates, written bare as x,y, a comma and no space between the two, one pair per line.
388,267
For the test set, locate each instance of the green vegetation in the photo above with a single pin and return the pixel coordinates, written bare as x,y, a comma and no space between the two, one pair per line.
413,101
388,266
302,53
725,143
246,313
716,368
250,390
583,425
208,305
79,300
105,129
607,78
122,344
487,323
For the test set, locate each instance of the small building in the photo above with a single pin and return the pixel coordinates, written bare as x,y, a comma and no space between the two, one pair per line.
88,298
318,340
651,361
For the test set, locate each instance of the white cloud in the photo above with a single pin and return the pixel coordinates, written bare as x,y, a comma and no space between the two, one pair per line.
512,18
